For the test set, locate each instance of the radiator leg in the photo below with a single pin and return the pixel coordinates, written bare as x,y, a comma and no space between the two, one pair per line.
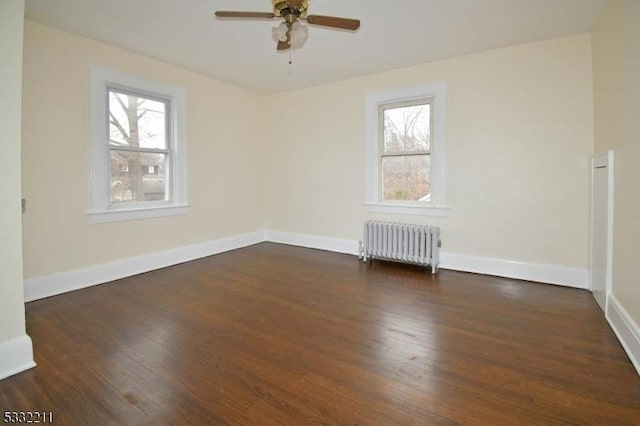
362,253
434,268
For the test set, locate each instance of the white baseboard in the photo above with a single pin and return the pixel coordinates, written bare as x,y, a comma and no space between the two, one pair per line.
626,330
16,356
542,273
51,285
337,245
549,274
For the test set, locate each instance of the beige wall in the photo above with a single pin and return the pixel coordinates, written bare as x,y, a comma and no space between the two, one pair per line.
224,161
11,292
616,64
520,133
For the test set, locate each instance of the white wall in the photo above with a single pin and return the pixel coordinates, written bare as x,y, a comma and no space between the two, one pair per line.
224,159
520,133
15,346
616,64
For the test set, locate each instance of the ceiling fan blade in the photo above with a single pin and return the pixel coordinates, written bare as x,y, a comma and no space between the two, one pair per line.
334,22
285,45
245,15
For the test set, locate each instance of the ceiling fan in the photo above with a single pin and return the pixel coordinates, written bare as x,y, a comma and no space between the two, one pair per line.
291,32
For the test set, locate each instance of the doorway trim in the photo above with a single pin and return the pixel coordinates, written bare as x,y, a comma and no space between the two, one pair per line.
609,158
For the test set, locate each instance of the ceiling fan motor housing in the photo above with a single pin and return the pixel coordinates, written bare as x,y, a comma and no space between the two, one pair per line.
288,7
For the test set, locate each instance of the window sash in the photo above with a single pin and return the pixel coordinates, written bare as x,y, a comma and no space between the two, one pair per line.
124,90
137,204
404,104
381,197
404,154
143,150
144,95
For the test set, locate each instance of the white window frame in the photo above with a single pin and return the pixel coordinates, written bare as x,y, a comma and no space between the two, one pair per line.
435,94
101,209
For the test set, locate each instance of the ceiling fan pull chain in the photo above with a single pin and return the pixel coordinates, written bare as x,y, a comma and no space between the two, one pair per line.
290,62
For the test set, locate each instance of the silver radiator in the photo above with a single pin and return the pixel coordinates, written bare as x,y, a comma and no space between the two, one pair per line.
416,244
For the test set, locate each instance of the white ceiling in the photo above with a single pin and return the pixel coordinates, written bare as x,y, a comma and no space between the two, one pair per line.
394,34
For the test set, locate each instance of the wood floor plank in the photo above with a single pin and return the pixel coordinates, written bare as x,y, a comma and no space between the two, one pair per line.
274,334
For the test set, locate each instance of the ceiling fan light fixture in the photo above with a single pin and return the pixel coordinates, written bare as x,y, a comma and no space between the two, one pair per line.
299,35
280,32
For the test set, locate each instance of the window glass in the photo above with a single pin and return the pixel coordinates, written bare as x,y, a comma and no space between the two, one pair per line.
136,121
138,177
407,129
406,178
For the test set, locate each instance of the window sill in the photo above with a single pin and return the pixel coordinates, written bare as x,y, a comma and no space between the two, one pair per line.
107,216
422,210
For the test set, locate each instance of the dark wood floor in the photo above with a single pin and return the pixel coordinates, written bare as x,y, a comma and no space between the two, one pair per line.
273,334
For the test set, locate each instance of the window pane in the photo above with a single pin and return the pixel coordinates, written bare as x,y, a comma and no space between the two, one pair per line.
137,176
136,121
407,129
406,178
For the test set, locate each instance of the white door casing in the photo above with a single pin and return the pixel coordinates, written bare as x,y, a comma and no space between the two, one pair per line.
601,227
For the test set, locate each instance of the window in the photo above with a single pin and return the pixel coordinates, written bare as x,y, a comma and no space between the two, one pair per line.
406,151
137,148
